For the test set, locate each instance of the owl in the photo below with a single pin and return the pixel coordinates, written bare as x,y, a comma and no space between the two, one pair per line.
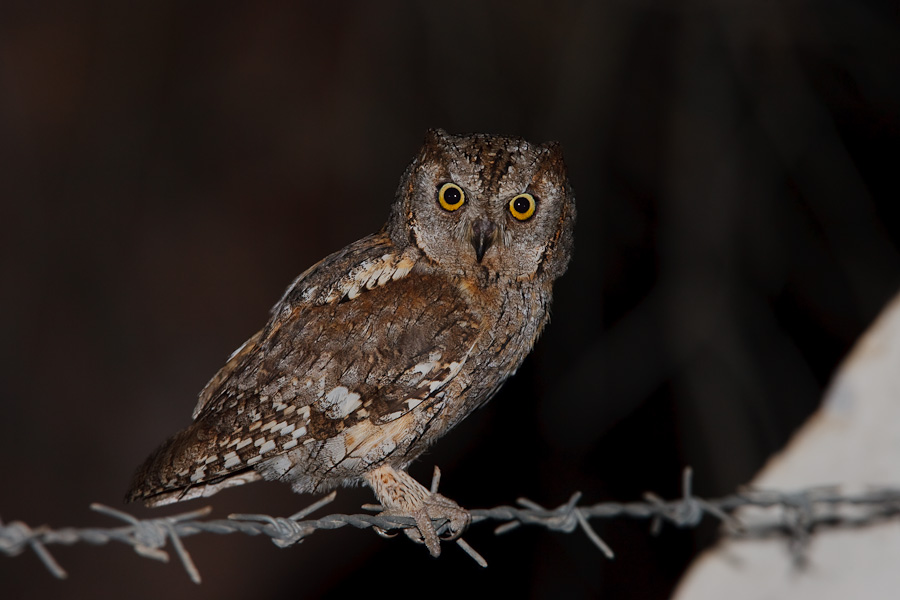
379,349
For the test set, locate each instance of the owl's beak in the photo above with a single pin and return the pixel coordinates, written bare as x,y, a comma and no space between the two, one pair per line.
484,232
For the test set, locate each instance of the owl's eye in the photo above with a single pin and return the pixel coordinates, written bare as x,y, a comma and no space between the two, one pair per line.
522,206
451,196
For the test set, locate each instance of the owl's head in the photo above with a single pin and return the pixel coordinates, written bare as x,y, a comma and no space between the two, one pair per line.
487,203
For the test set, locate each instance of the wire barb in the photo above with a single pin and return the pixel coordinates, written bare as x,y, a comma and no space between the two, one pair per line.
795,516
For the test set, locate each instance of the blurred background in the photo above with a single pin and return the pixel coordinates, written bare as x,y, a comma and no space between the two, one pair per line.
167,168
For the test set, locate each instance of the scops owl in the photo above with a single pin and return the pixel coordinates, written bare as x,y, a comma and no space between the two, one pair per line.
379,349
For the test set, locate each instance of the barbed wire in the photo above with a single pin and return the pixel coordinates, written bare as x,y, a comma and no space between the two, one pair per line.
795,516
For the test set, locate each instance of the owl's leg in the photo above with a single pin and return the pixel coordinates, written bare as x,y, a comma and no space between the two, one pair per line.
402,496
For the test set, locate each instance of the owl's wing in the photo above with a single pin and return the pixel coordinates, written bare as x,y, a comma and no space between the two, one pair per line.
372,343
396,346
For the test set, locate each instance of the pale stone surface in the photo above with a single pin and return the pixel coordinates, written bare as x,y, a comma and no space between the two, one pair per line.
853,440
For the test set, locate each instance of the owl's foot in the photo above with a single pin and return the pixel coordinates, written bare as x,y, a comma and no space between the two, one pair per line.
402,496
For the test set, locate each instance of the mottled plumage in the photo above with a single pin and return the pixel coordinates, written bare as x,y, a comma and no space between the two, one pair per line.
382,347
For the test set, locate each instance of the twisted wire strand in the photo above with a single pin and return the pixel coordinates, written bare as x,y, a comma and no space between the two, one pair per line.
794,515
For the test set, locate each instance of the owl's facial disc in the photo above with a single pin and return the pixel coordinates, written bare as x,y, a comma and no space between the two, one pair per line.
484,233
487,207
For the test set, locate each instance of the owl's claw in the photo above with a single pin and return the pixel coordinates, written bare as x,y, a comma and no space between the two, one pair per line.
403,496
436,508
385,534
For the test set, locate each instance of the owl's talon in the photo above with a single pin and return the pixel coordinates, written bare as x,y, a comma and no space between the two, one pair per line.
385,534
436,508
403,496
450,535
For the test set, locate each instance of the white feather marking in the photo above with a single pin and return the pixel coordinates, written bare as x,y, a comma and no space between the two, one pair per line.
339,402
385,275
374,278
254,459
413,402
424,367
366,276
299,432
199,473
454,370
290,444
266,447
368,273
243,443
234,460
403,269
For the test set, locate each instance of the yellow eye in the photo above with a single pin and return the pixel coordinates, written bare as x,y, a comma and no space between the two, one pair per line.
451,196
522,206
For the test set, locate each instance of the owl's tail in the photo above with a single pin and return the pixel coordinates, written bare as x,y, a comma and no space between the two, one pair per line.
175,472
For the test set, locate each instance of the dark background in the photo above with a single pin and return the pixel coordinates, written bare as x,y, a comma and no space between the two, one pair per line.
167,168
